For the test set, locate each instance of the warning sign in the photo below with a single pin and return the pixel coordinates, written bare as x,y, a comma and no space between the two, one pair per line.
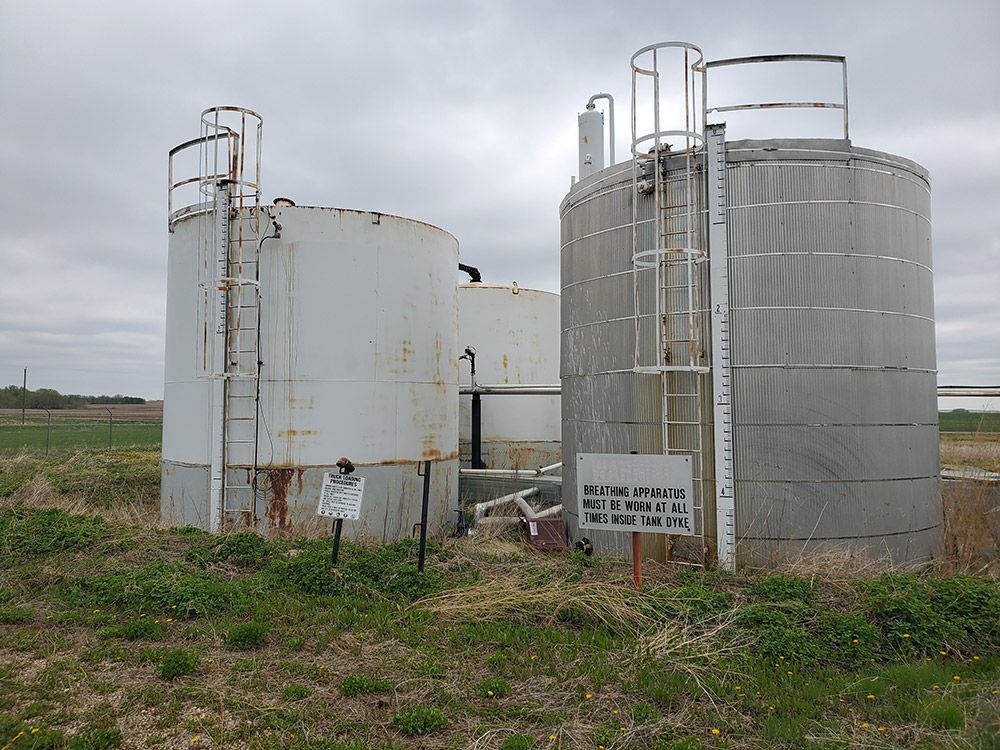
652,494
341,496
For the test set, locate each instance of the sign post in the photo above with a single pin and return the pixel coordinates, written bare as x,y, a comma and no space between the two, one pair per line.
636,493
340,498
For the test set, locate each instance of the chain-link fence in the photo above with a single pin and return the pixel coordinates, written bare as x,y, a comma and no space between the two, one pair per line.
50,430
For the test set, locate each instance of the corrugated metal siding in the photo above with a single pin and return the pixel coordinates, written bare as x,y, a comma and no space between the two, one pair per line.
833,347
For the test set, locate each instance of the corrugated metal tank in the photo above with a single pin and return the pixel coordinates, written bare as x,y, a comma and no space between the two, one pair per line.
833,352
358,345
515,333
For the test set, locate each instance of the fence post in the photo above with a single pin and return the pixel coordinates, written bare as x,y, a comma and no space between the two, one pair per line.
111,420
48,431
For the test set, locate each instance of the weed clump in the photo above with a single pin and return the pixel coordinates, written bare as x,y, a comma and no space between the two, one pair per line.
493,688
157,587
144,628
15,615
415,721
98,736
177,663
30,532
782,587
519,742
389,569
296,693
356,684
246,636
244,549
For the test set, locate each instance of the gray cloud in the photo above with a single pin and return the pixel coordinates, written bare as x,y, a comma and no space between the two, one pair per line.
457,113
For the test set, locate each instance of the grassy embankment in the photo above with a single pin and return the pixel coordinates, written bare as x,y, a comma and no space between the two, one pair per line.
116,634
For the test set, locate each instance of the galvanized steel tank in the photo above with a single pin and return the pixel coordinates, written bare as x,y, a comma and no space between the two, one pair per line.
515,332
833,353
358,351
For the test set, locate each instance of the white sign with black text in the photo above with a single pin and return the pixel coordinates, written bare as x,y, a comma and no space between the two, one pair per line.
647,493
341,496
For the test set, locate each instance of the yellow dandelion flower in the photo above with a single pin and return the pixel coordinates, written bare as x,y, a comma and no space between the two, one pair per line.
995,692
975,658
870,697
552,737
789,673
615,712
588,696
621,729
169,619
173,606
96,611
956,678
534,656
34,730
770,708
738,687
935,686
943,653
195,740
782,658
906,635
881,729
489,693
855,641
715,731
864,724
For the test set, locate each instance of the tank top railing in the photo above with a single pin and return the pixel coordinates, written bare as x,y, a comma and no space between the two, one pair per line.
835,59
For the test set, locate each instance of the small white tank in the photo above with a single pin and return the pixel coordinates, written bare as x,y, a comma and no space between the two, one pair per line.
515,333
591,128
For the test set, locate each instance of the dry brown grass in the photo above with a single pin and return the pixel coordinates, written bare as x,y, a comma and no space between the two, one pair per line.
124,509
977,449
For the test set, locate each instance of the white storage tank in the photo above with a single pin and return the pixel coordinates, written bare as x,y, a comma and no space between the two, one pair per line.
515,334
358,324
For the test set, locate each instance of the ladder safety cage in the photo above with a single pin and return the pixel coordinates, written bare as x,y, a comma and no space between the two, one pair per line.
228,213
669,256
835,59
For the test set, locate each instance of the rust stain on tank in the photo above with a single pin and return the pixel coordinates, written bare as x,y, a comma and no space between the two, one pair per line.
296,433
277,502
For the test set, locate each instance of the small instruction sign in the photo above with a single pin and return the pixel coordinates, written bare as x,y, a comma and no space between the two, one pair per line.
341,496
647,493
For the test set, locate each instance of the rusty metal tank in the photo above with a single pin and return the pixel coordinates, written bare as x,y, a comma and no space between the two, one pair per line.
515,332
358,325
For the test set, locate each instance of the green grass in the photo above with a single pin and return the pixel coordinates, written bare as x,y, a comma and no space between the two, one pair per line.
76,434
969,421
241,641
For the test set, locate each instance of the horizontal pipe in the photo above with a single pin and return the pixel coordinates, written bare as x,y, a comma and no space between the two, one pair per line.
511,389
511,472
951,391
479,510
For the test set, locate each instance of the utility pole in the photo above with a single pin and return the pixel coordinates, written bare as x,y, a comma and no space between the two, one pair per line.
24,394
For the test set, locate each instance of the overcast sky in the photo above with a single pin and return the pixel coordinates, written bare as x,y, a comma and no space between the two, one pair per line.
462,114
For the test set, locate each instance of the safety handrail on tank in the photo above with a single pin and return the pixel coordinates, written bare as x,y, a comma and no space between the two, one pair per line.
231,170
752,59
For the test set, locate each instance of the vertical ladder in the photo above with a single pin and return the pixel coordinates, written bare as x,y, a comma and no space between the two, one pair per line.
725,507
231,231
674,265
241,372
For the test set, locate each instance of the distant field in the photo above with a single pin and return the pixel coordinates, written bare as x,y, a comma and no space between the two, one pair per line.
970,421
72,429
